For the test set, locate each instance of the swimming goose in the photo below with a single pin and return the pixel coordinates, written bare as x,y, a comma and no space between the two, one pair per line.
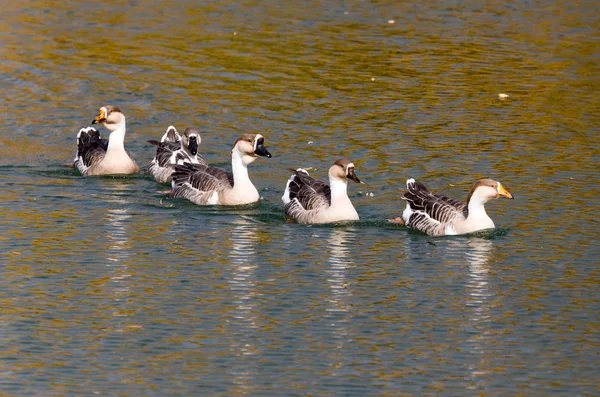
174,149
438,215
207,185
97,156
308,200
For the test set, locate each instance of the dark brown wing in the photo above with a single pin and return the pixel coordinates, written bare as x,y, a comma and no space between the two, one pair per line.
164,152
201,178
310,192
91,149
431,211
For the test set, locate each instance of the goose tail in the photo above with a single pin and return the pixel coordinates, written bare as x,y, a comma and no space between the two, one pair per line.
293,185
171,135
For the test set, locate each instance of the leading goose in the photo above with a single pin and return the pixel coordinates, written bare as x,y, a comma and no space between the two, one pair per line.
308,200
206,185
97,156
174,149
438,215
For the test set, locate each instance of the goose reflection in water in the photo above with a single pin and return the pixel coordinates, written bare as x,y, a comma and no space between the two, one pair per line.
117,255
243,261
478,254
479,301
242,284
339,261
338,310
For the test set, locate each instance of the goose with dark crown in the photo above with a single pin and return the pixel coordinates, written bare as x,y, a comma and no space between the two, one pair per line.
308,200
98,156
207,185
174,149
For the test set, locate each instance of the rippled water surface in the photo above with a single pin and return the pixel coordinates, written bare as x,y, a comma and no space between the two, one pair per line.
110,287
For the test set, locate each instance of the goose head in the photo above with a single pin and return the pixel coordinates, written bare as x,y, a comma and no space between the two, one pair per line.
110,117
487,189
191,140
343,169
250,147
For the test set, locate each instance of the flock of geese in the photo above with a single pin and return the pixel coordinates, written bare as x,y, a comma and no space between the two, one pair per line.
306,199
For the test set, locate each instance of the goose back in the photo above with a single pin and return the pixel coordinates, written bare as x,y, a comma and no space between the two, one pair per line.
169,151
429,212
309,201
201,184
310,192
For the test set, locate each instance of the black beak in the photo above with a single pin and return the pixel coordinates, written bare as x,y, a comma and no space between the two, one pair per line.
352,175
261,150
94,121
193,146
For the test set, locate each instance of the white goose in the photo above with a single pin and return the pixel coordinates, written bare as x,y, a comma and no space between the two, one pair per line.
206,185
438,215
97,156
175,149
308,200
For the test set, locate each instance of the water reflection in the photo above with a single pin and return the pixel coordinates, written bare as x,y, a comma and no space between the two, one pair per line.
339,260
242,284
116,222
338,309
478,254
479,302
243,259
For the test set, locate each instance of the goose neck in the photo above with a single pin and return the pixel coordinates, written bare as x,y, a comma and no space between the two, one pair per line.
339,189
239,169
116,139
476,207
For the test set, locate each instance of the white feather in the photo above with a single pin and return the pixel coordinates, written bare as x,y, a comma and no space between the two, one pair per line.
286,194
449,230
166,134
407,213
214,199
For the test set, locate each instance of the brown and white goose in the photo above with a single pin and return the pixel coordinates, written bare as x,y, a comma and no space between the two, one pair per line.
97,156
438,215
175,149
207,185
308,200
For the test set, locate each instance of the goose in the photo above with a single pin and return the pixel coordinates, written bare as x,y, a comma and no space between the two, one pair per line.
97,156
310,201
438,215
207,185
174,149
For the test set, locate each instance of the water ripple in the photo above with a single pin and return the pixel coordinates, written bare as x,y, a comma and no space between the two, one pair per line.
111,287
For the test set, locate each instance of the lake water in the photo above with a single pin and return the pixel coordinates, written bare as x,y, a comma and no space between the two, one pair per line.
110,287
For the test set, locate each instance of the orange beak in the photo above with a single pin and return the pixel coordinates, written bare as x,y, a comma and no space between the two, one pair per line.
101,117
502,192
